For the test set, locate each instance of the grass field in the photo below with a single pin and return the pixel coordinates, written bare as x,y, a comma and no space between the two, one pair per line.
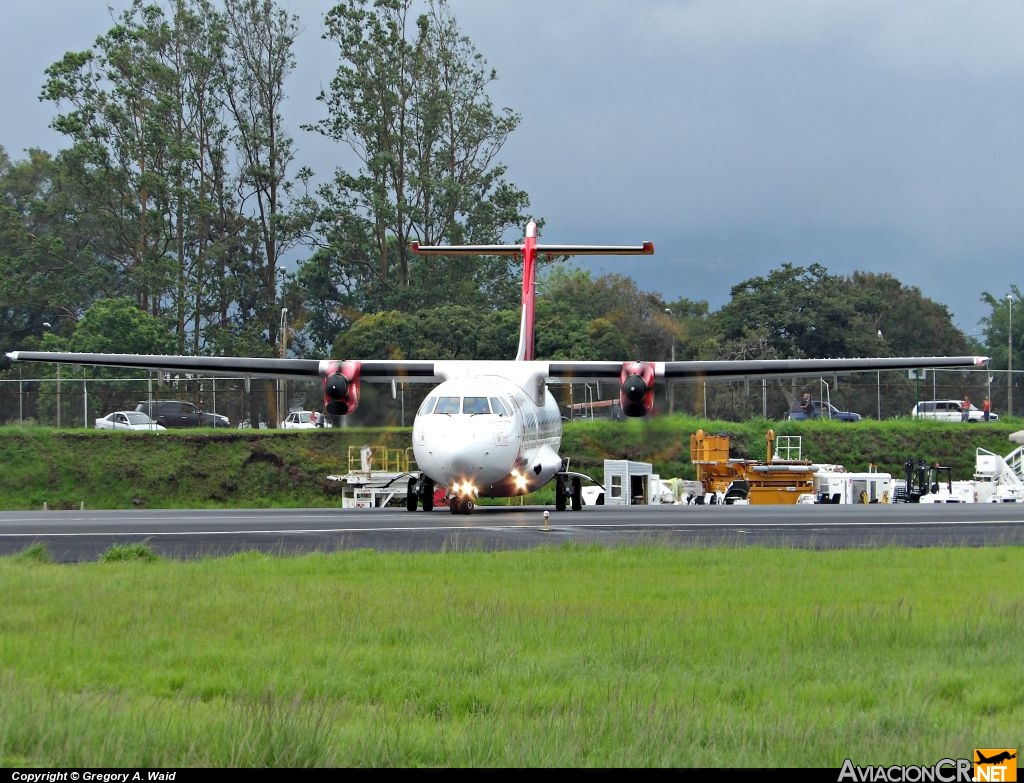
560,657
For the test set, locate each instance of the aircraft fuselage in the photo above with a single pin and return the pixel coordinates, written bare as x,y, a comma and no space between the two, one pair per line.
487,436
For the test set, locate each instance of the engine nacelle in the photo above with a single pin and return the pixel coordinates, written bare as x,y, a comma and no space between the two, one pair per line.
636,393
341,388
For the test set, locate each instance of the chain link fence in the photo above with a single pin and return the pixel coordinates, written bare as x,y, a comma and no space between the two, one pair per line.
81,395
79,400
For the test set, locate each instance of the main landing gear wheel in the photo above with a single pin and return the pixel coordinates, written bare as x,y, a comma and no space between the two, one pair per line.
460,505
568,491
427,494
411,495
420,492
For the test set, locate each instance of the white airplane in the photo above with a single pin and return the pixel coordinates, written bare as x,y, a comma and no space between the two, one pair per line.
493,428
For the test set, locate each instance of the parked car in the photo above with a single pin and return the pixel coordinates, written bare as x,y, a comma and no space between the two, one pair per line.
949,410
302,420
818,409
178,413
127,420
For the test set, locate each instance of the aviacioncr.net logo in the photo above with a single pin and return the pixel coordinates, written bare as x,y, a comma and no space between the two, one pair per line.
943,771
995,765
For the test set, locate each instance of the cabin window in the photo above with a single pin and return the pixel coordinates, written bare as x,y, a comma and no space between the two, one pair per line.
475,405
447,405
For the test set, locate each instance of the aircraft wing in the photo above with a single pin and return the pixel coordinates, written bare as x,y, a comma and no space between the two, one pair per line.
742,369
228,366
728,370
431,371
637,379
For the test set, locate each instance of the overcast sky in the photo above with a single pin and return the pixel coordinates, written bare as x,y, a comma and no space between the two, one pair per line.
737,135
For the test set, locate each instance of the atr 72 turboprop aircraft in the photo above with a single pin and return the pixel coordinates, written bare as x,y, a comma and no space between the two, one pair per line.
493,428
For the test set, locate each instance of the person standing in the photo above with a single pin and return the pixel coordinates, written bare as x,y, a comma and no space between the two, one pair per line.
987,407
965,409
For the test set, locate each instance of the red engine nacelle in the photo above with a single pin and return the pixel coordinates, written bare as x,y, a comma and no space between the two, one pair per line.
636,393
341,388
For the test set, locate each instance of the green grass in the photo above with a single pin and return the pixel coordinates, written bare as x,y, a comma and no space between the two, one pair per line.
568,657
65,469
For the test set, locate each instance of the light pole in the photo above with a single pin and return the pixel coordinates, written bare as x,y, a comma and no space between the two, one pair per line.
283,388
279,400
50,328
671,387
878,381
1009,358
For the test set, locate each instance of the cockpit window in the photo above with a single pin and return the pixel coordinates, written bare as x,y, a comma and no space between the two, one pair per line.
499,407
447,405
475,405
427,406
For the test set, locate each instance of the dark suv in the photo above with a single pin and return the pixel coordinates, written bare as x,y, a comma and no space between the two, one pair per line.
178,413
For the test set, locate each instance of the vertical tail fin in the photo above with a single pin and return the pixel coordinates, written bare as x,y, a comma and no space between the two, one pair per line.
527,341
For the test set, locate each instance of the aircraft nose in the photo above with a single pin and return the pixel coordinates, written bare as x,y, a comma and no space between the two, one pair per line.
460,452
462,456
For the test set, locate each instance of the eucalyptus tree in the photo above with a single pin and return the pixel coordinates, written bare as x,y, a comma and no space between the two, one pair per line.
409,99
259,58
137,109
175,120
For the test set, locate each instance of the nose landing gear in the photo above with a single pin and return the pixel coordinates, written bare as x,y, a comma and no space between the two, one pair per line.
460,505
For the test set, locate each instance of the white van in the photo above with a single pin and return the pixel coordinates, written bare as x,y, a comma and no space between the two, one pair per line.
949,410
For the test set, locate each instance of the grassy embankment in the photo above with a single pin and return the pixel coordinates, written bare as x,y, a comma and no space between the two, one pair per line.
261,468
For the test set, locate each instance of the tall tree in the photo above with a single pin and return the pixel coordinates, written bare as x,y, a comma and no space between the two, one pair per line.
259,58
160,111
797,312
411,103
119,110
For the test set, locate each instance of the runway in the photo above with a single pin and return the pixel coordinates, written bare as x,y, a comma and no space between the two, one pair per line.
80,536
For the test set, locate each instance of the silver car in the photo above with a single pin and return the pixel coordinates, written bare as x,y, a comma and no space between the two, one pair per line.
302,420
127,420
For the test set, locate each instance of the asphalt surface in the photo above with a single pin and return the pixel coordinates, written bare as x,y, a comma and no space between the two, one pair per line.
79,536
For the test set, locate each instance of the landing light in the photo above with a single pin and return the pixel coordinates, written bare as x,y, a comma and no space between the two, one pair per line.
464,489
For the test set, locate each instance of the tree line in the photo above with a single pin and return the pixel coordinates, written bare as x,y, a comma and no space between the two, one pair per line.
167,221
